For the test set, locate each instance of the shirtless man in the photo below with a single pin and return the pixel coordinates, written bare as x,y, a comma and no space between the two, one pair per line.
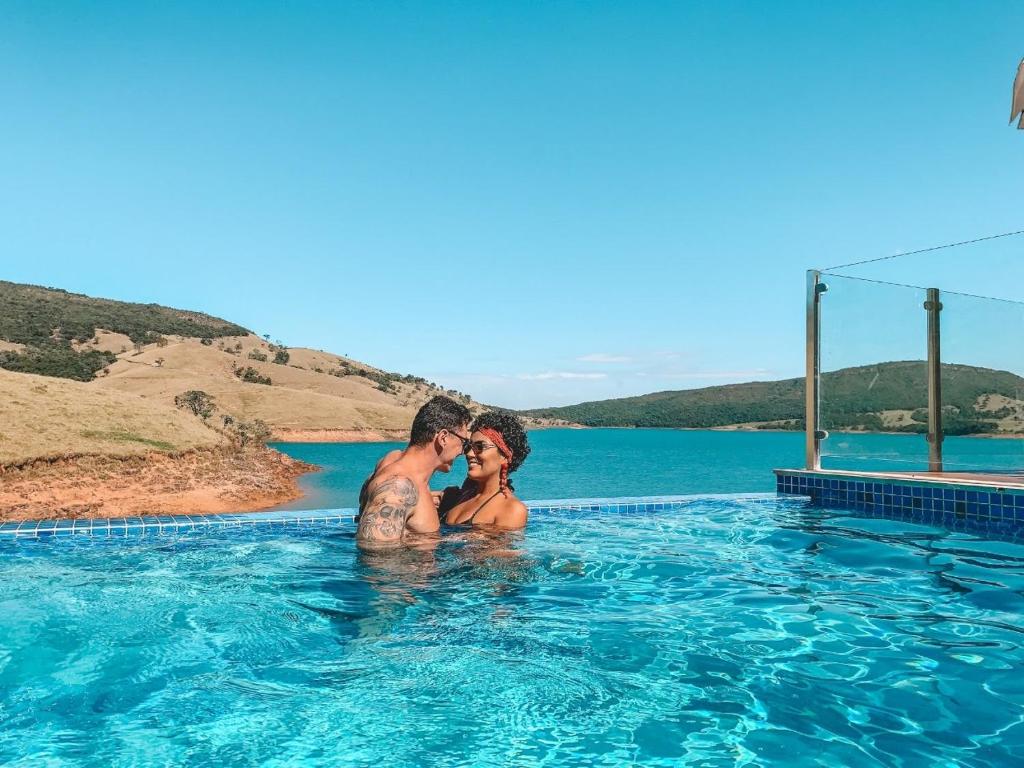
396,500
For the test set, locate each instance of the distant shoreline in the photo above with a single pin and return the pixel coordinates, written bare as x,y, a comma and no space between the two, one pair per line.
401,435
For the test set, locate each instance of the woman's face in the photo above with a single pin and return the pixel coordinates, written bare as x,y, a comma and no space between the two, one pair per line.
483,459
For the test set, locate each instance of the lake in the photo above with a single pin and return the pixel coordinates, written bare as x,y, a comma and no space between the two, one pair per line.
575,463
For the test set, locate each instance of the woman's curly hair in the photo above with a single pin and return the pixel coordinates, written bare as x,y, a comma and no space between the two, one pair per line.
512,432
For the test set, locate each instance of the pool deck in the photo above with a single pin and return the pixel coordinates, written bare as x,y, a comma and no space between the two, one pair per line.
946,498
1001,479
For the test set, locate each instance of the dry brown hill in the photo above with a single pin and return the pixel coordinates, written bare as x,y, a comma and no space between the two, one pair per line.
158,353
68,449
314,396
44,418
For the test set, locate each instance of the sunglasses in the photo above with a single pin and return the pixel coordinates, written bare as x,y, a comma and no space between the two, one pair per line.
466,443
476,446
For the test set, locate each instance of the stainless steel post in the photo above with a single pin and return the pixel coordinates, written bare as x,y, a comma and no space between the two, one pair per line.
933,306
813,377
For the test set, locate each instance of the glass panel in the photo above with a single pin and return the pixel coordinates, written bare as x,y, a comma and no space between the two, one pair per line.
874,386
982,388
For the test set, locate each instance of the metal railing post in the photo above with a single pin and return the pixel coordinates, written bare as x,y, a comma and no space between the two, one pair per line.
813,377
934,306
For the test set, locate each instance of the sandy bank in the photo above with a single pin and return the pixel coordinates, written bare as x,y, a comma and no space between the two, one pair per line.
201,481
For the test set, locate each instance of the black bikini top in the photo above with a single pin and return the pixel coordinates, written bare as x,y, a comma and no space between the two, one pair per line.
473,516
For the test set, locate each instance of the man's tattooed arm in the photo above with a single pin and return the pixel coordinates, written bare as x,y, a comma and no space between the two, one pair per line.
388,505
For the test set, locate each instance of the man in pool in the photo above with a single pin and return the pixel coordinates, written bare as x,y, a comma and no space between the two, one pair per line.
396,501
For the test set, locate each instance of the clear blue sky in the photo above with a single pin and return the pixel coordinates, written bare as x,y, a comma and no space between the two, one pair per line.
537,203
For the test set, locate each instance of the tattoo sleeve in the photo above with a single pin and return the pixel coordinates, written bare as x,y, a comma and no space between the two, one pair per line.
388,505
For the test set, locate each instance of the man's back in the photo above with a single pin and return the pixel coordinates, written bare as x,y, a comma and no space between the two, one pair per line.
397,501
387,458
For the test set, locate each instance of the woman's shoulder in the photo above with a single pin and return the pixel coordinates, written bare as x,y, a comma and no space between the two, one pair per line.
511,513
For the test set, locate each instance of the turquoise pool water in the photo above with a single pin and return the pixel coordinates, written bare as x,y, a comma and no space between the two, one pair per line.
722,632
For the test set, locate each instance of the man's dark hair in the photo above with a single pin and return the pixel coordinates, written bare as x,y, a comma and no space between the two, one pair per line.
439,412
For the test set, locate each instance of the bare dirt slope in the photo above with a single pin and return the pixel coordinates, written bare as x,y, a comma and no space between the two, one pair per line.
200,481
68,449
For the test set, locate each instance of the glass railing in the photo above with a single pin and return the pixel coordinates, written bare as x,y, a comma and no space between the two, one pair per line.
982,388
873,389
874,399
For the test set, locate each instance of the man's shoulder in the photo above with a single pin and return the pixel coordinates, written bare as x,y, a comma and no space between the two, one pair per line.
392,482
389,502
388,459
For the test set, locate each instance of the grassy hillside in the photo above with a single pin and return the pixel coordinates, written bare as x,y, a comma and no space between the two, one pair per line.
48,418
314,390
35,315
886,396
157,354
50,325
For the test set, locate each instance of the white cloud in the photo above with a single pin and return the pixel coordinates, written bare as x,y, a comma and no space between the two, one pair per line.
559,375
709,374
603,357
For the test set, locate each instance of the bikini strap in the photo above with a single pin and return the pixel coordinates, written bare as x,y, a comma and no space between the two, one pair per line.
473,516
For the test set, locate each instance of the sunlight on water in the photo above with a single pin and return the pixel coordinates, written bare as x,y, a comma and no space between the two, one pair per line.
724,632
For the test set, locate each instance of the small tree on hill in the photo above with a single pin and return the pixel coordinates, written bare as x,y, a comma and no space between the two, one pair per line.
250,375
254,432
197,401
281,356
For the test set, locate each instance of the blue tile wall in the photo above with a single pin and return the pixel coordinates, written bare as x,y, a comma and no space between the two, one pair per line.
916,500
138,526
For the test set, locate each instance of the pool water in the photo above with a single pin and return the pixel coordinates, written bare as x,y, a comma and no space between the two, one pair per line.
722,632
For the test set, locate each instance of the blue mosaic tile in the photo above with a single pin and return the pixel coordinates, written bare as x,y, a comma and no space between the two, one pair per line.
149,526
914,499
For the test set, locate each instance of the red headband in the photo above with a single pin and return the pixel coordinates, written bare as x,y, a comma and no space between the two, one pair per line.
498,440
503,449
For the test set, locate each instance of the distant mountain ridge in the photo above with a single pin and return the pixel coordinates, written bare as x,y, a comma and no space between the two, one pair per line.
887,396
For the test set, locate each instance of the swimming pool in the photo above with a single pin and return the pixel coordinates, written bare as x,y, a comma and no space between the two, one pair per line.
718,631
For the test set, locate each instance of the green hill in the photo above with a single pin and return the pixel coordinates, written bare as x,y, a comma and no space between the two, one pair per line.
888,396
46,324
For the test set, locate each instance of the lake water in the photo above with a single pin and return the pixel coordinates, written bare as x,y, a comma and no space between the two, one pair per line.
575,463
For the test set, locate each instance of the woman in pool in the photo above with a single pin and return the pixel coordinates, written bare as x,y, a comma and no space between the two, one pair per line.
497,447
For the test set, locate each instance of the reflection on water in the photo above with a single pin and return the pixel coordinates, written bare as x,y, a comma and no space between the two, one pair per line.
721,632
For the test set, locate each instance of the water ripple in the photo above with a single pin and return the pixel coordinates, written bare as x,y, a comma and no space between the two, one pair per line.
723,632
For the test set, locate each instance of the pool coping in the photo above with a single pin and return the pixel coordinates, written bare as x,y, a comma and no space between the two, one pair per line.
134,526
